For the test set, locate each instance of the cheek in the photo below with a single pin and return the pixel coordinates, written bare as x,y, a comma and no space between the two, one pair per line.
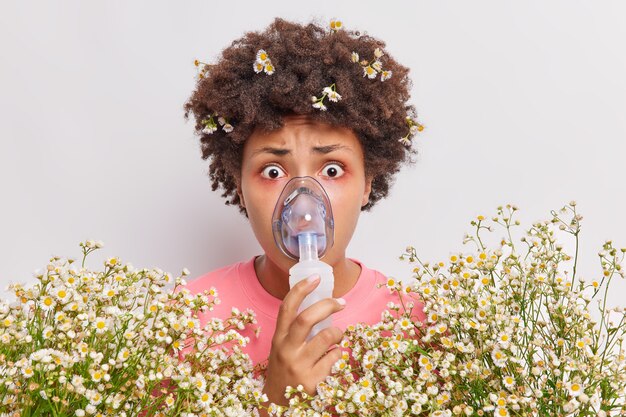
260,198
346,206
345,197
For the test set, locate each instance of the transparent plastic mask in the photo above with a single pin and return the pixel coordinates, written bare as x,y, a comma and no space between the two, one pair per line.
303,210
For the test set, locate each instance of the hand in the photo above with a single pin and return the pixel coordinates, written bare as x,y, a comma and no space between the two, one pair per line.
293,361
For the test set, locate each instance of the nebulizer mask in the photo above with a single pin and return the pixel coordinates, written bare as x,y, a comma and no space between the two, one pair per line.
303,229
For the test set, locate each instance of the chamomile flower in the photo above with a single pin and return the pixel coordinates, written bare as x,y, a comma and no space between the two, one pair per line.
61,294
123,354
360,397
101,324
509,381
332,94
96,375
206,398
433,317
499,357
269,68
366,383
169,401
413,127
226,126
109,292
501,412
504,340
406,324
263,63
377,65
369,72
335,24
341,408
28,371
329,92
47,303
94,397
200,383
48,332
209,126
262,57
258,67
8,321
319,105
340,365
574,388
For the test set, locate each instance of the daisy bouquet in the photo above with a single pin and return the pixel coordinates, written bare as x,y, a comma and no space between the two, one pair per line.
510,330
108,343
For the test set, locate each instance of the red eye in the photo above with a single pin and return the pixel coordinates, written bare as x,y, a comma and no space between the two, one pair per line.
272,172
333,170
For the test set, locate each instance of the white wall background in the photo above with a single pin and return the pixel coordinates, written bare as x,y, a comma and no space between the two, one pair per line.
523,102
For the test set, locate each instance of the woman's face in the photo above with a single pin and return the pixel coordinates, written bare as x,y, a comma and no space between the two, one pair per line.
303,147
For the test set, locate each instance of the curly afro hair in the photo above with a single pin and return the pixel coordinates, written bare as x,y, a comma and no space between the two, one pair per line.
306,59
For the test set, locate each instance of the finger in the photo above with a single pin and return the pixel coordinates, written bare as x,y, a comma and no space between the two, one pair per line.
304,322
289,307
320,343
325,364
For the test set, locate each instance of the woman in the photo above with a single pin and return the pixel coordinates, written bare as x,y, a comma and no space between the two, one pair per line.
292,101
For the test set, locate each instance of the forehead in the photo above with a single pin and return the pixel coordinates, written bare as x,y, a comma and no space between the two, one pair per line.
303,131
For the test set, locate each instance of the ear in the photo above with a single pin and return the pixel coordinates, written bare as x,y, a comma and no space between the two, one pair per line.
368,190
240,194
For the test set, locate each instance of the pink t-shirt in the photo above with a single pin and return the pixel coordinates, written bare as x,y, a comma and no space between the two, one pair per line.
237,285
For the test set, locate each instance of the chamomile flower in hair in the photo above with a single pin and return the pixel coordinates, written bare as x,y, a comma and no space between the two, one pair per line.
372,68
263,63
210,125
330,92
223,121
414,127
335,24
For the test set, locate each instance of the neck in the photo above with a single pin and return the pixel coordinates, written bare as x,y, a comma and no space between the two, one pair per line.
276,280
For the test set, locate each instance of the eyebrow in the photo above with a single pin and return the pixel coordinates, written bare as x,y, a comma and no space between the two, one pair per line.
317,149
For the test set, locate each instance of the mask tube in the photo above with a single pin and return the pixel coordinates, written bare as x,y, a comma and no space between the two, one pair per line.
302,222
